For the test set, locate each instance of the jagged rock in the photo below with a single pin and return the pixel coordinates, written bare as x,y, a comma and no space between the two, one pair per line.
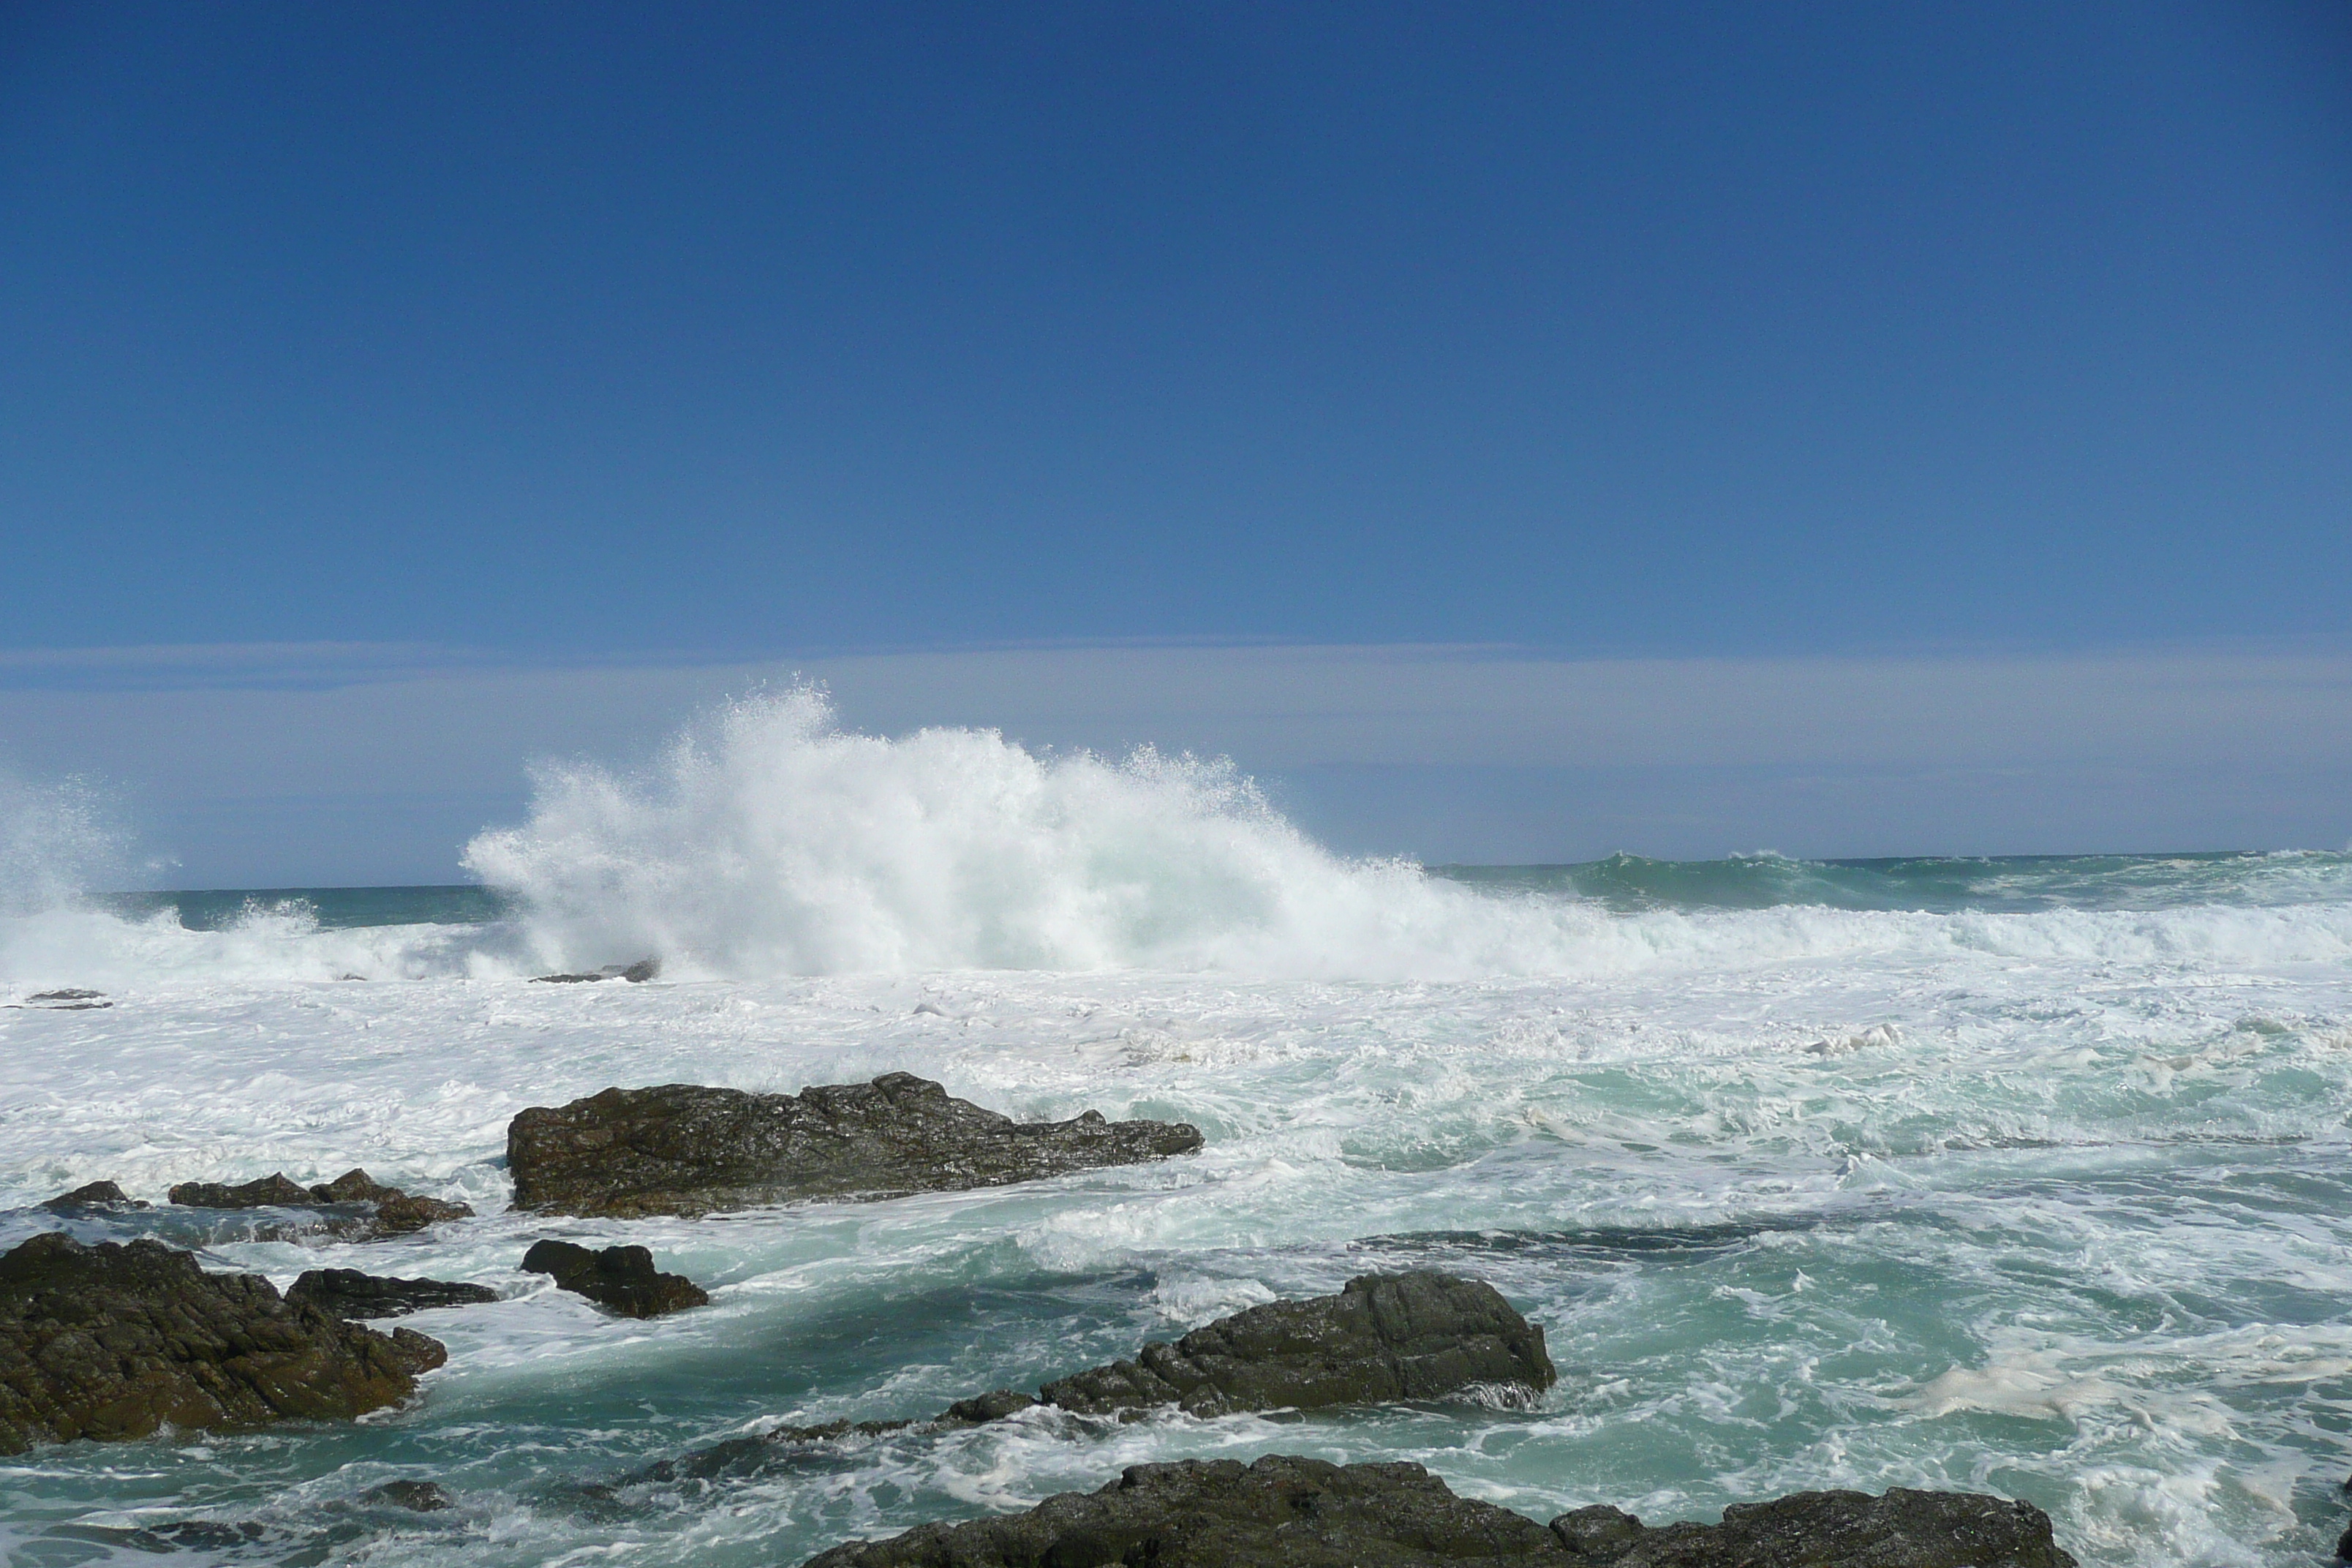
68,993
1384,1337
94,1195
1290,1513
113,1342
567,979
621,1277
682,1149
396,1213
348,1293
1827,1529
418,1496
276,1190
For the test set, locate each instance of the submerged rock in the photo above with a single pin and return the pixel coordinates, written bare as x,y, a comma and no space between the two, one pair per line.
395,1213
621,1277
417,1497
682,1149
348,1293
1384,1337
113,1342
1290,1513
94,1195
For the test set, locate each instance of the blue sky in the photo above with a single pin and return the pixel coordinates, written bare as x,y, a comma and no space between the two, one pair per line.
656,343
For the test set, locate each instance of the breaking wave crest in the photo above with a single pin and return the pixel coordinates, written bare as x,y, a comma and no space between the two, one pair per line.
770,841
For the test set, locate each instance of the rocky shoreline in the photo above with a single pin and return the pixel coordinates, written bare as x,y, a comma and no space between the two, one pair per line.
117,1342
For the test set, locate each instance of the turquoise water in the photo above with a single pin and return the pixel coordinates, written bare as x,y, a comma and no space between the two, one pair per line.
1622,883
2021,1174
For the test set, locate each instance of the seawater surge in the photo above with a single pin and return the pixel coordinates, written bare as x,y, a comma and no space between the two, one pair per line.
2021,1175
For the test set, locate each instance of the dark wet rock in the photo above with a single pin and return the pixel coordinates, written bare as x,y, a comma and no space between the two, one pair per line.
353,1186
94,1195
635,973
417,1497
113,1342
70,994
273,1191
1290,1513
621,1277
1384,1337
1827,1529
71,1000
994,1406
682,1149
1221,1514
391,1212
407,1213
348,1293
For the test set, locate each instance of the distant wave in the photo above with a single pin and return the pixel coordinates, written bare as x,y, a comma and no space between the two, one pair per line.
769,841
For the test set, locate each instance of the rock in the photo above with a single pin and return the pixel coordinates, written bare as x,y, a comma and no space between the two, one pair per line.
353,1186
418,1496
69,1000
348,1293
273,1191
635,973
1219,1514
621,1277
94,1195
403,1213
396,1213
994,1406
1384,1337
113,1342
1827,1529
1290,1512
682,1149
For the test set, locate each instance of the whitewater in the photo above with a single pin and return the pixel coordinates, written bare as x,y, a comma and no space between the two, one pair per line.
2022,1175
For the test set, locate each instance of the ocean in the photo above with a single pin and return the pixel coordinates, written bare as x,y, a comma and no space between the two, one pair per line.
2021,1174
